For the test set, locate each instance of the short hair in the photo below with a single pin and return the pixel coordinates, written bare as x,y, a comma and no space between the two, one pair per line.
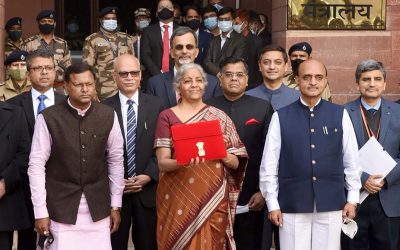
369,65
209,8
77,68
39,53
191,7
274,47
185,67
243,15
182,30
226,10
254,17
234,60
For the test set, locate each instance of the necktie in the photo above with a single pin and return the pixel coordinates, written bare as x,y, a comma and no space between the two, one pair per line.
372,111
165,56
41,106
131,139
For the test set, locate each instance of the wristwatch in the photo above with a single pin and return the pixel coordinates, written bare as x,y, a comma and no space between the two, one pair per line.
116,209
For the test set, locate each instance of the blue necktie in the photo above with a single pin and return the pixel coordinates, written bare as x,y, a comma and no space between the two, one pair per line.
131,139
41,106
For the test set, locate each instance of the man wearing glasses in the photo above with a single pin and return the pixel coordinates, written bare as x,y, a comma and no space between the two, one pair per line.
41,72
137,114
310,158
46,40
183,50
76,167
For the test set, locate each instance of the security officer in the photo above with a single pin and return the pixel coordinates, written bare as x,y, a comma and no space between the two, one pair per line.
298,53
14,39
101,49
18,82
46,40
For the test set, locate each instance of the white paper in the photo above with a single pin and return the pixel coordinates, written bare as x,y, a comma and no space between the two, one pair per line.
242,209
374,160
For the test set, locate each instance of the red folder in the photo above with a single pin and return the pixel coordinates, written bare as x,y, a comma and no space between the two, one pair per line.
202,139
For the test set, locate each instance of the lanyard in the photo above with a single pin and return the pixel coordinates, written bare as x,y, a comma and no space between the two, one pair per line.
369,130
114,51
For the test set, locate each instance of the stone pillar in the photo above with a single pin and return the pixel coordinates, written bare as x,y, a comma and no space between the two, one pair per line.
2,37
342,50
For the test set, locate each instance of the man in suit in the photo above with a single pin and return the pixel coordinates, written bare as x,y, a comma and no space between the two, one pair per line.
141,170
193,20
14,148
155,40
228,43
252,125
183,50
378,217
41,73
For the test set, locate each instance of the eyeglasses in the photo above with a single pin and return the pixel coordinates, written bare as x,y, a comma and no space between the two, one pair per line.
81,85
181,46
133,73
230,75
42,67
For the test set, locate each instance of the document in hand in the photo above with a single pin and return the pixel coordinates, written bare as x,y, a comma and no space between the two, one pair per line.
374,160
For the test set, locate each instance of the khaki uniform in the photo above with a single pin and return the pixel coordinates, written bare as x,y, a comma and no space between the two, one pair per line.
99,51
289,81
9,89
59,48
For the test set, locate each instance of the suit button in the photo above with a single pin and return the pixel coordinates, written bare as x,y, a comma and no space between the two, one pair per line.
94,136
83,159
314,178
83,146
312,146
313,162
312,114
82,132
312,130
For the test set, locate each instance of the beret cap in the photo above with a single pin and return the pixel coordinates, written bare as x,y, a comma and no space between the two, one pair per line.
13,21
16,56
303,46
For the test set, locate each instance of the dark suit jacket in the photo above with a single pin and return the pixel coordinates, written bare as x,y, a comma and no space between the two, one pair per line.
14,147
265,36
146,163
151,49
161,85
389,138
254,49
235,46
204,41
24,100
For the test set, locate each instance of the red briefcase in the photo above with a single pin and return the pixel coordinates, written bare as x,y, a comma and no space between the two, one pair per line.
202,139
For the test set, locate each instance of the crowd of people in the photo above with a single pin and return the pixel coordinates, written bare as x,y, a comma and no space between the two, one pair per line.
88,159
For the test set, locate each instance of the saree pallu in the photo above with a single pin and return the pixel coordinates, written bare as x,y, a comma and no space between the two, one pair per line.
196,205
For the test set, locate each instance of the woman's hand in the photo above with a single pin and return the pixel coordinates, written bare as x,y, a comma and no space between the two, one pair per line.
231,161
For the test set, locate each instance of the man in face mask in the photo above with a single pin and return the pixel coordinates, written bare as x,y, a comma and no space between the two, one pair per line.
298,53
210,18
192,19
46,40
101,48
14,39
155,50
229,43
18,82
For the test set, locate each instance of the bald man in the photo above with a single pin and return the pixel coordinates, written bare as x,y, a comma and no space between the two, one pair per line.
310,157
137,114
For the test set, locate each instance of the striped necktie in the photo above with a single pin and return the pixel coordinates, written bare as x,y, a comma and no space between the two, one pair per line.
41,106
131,139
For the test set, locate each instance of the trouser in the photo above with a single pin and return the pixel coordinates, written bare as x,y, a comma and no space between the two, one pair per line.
6,240
248,230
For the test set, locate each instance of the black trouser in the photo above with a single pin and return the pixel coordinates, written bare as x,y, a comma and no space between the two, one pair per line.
248,229
269,230
376,231
6,240
143,221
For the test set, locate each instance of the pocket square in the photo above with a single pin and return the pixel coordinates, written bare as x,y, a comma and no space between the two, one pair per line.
252,121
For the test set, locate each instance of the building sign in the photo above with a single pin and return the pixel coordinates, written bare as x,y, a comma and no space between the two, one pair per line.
337,14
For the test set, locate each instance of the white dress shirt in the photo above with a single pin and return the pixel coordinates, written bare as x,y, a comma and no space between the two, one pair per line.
170,29
223,39
270,162
49,101
124,109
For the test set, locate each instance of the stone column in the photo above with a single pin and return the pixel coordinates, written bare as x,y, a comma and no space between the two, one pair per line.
2,37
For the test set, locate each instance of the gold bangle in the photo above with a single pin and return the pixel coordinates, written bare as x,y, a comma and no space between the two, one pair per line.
118,209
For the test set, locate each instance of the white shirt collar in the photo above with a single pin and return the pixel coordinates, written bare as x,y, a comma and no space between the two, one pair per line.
49,94
123,99
311,108
81,112
227,36
170,24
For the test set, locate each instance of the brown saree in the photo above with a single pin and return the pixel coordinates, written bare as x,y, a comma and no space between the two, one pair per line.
196,205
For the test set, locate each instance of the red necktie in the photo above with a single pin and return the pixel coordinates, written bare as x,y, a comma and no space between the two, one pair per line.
165,56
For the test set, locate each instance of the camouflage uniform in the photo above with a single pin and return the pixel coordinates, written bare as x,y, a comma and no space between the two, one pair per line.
9,89
98,54
8,48
289,81
59,48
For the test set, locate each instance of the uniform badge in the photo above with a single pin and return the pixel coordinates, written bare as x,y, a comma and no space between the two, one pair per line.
113,11
304,47
22,57
51,15
19,22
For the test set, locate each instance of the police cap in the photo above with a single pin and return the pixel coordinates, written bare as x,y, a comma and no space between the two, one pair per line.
13,21
46,14
16,56
108,10
303,46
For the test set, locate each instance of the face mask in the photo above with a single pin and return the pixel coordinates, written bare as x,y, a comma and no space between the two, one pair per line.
14,35
238,28
218,6
194,24
225,26
18,74
46,28
110,25
143,24
211,23
165,14
73,27
295,64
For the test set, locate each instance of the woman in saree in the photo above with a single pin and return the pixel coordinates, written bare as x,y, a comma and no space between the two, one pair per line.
196,203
